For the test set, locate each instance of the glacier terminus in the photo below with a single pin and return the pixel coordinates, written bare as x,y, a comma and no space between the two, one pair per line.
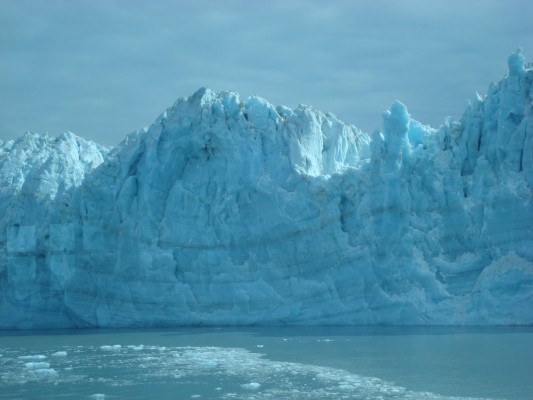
236,212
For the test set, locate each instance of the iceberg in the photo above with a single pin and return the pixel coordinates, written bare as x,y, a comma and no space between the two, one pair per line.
237,212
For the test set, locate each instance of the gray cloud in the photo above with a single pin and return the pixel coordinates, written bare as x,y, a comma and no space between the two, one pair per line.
103,69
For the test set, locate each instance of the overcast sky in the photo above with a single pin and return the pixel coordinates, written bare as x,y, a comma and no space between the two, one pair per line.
104,68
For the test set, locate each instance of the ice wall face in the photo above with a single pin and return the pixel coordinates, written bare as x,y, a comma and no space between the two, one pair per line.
38,173
211,215
238,212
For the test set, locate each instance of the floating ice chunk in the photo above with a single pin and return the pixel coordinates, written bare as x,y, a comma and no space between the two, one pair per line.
39,369
97,396
251,386
136,348
156,348
59,354
32,357
114,347
345,386
44,372
36,365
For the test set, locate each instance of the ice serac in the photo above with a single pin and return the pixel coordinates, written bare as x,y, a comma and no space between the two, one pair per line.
238,212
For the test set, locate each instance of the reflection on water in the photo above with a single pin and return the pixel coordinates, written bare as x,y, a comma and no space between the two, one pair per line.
268,363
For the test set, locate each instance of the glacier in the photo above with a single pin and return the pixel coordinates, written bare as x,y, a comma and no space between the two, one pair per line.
236,212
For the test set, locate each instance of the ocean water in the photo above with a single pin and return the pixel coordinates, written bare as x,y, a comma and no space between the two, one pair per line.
268,363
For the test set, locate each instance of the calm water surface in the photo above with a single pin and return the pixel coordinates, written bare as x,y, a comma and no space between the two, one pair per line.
268,363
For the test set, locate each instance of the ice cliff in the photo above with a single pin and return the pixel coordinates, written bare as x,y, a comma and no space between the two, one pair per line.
238,212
